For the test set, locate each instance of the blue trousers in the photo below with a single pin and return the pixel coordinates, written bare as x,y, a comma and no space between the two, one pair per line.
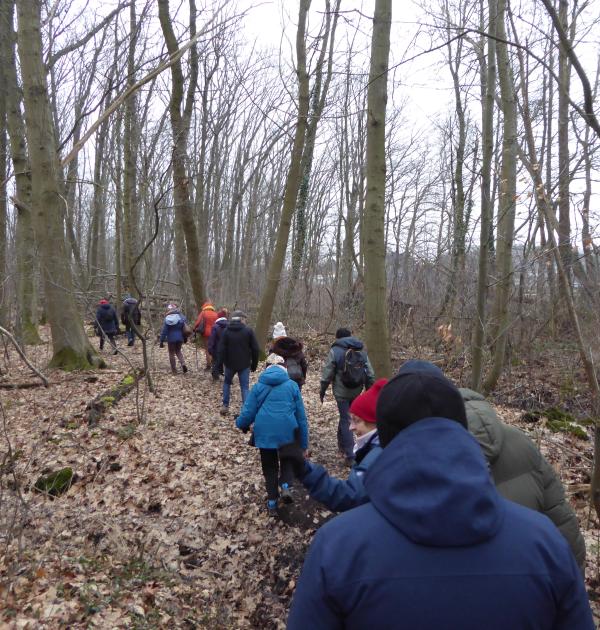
130,335
345,439
244,378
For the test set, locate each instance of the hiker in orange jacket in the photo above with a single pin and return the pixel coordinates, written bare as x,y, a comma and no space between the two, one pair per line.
202,327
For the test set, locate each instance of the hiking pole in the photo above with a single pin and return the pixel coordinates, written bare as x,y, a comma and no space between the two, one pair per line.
196,353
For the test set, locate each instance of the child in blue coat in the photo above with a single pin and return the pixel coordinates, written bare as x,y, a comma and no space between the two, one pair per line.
275,407
173,331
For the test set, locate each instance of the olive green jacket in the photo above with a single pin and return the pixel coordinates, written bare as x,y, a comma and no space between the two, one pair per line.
520,471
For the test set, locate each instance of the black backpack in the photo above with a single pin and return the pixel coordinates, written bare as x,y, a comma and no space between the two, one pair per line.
294,370
354,369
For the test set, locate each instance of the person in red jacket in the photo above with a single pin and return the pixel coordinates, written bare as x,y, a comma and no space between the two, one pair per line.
203,326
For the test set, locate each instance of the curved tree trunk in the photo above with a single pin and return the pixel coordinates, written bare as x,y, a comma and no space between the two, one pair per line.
291,186
71,348
180,125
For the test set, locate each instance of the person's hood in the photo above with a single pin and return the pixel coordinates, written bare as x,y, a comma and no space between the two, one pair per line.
274,375
484,424
130,300
288,345
236,324
347,343
432,483
172,319
221,321
207,306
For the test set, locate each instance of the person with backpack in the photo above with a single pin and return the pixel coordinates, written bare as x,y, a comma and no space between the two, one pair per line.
349,369
175,332
212,345
203,327
130,316
275,408
106,324
237,354
291,350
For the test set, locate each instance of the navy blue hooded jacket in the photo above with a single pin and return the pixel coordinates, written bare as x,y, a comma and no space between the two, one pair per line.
172,329
215,335
106,319
438,547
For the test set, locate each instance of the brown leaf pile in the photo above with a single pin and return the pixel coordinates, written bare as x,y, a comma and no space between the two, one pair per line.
165,524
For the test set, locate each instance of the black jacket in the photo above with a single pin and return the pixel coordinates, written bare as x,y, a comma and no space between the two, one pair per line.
238,347
130,311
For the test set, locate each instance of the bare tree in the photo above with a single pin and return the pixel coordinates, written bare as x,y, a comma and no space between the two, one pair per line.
375,249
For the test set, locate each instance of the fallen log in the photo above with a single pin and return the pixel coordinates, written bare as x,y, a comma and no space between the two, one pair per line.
22,385
107,399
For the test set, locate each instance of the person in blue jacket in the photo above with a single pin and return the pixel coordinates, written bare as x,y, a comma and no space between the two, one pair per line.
173,333
344,494
437,546
275,407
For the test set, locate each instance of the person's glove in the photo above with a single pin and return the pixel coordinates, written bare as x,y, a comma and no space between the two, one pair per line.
161,344
294,453
324,386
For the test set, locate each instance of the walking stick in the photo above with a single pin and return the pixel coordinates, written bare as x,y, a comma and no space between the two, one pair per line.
196,353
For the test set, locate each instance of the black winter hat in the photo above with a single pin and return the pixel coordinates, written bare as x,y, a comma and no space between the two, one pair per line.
340,333
413,396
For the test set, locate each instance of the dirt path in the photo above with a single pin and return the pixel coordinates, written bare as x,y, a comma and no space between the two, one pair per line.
165,525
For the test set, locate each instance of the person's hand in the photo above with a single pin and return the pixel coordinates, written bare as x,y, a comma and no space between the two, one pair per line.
294,453
161,344
324,386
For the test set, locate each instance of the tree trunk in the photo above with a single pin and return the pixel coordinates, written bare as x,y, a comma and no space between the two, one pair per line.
131,213
3,201
180,124
319,96
564,175
71,348
487,205
373,227
26,329
291,187
506,205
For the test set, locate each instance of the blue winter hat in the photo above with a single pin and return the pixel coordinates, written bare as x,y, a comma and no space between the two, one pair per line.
417,365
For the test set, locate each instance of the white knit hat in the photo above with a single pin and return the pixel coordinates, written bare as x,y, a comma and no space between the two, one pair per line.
279,330
274,359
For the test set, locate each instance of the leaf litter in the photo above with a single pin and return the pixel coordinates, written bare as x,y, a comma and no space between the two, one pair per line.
166,526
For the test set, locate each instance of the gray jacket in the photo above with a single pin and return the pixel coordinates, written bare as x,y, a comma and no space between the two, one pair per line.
521,473
332,368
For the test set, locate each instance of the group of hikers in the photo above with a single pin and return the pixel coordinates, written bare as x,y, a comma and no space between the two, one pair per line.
451,518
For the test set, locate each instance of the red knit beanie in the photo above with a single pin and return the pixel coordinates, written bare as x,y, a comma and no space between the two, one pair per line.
364,405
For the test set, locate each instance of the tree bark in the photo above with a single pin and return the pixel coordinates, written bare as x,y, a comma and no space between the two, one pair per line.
487,205
373,226
180,125
506,205
292,184
71,348
26,329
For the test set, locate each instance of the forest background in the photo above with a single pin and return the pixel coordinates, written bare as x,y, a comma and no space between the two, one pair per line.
271,157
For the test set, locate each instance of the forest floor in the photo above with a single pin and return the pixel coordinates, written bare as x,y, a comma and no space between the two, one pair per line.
165,522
